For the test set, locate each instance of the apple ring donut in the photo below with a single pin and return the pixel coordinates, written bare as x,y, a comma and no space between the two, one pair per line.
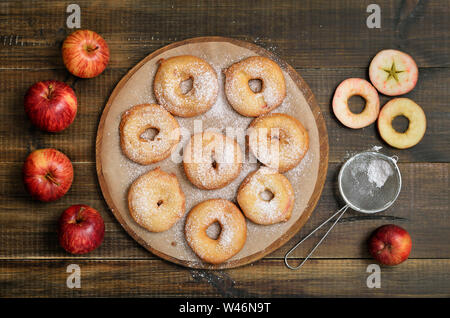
156,201
233,230
268,210
212,160
242,98
279,141
136,121
417,123
349,88
172,72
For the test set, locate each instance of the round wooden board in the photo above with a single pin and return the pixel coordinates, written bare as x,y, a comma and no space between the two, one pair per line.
322,169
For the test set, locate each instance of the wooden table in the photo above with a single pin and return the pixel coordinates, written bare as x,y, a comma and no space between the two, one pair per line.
326,42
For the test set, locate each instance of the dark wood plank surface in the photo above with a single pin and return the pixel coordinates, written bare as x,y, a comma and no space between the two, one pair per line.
155,278
326,42
32,233
18,136
308,34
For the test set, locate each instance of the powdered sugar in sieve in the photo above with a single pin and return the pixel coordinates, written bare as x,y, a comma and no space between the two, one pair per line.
369,182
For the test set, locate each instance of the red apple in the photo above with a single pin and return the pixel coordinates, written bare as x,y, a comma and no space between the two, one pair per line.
47,174
390,244
81,229
51,105
85,53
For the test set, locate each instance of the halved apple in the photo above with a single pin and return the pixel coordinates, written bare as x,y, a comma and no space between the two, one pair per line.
393,72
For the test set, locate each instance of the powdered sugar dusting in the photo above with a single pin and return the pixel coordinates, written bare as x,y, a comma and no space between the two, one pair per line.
278,141
266,210
379,171
212,160
232,229
155,201
120,172
170,94
240,94
375,171
139,118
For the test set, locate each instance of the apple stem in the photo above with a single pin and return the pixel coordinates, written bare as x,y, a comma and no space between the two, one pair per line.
89,49
79,218
50,92
51,178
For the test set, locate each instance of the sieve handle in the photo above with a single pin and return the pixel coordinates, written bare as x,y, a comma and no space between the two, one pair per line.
341,211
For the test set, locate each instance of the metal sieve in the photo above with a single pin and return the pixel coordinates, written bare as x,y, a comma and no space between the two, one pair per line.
360,192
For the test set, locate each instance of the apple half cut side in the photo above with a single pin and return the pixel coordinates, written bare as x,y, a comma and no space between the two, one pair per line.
393,72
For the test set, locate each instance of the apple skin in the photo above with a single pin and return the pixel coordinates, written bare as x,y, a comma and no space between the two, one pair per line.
80,229
47,174
85,53
51,105
390,244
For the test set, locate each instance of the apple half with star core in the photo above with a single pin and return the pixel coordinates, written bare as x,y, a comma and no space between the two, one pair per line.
390,244
47,174
80,229
51,105
85,53
393,72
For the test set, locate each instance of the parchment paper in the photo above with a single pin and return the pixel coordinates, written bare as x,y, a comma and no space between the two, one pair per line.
119,172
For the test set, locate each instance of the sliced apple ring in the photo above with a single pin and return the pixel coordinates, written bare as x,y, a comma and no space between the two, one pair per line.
417,123
393,72
351,87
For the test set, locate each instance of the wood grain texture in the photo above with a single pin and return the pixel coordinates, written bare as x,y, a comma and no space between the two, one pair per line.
309,33
326,42
28,228
18,136
266,278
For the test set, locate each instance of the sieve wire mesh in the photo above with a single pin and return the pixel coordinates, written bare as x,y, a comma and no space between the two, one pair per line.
357,186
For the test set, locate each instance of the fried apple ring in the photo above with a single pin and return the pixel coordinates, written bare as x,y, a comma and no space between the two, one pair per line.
156,201
172,72
266,210
233,230
136,121
242,98
212,160
279,141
